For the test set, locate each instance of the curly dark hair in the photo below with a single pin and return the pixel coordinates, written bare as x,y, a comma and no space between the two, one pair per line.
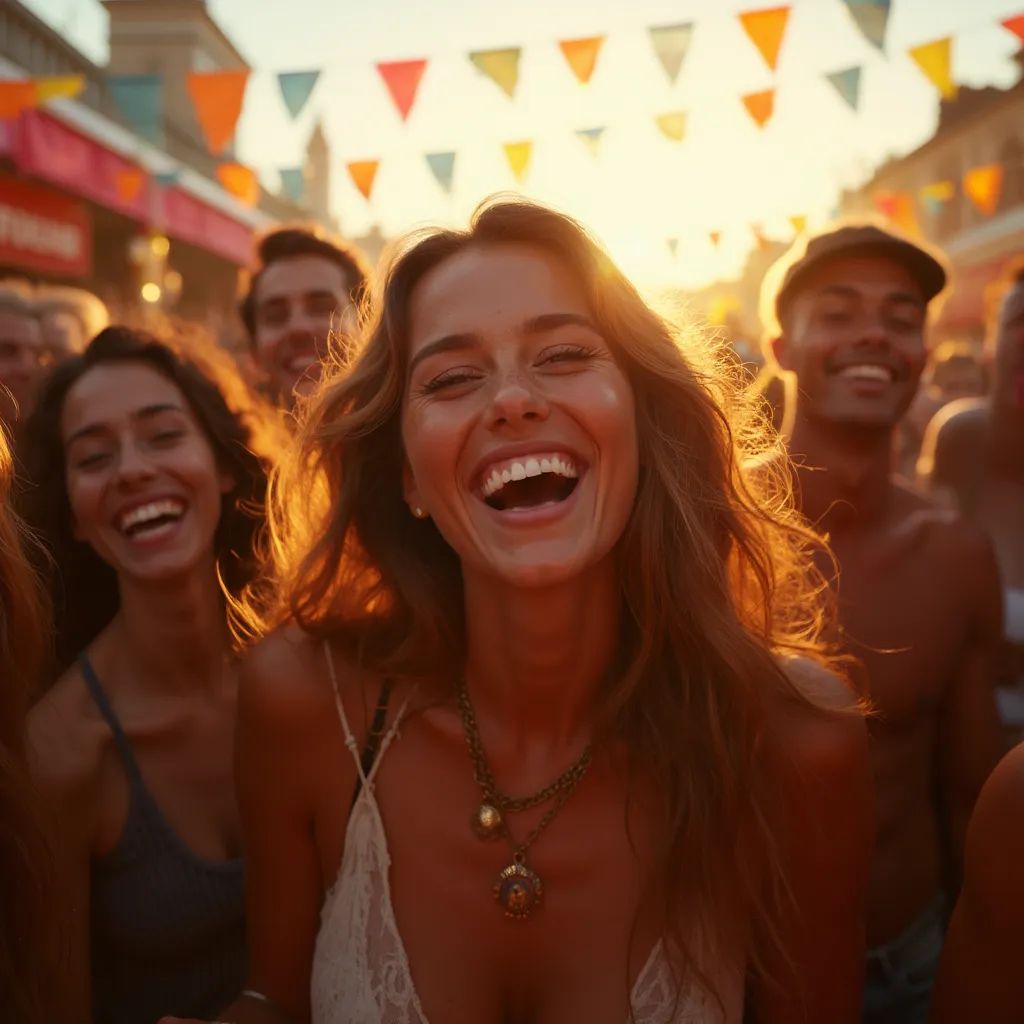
289,242
238,427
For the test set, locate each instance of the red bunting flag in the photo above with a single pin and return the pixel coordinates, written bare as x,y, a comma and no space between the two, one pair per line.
1015,25
581,55
899,208
129,184
402,77
760,106
217,97
363,174
766,29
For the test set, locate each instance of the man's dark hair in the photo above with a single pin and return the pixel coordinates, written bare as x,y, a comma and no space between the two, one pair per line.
286,243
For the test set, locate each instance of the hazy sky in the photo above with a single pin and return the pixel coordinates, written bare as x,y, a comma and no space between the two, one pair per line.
642,189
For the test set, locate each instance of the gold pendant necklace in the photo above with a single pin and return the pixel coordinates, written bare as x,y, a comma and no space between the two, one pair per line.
518,888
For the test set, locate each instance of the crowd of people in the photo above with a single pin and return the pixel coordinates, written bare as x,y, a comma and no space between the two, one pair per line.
491,656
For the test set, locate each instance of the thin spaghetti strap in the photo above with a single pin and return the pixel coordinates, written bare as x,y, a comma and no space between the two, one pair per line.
350,740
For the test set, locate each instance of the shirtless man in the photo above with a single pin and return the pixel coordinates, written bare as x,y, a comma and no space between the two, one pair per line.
974,449
917,588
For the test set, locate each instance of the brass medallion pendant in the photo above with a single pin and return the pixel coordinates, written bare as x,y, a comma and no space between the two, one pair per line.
518,889
487,822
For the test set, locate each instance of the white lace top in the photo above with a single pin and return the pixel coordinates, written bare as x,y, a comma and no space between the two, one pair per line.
361,973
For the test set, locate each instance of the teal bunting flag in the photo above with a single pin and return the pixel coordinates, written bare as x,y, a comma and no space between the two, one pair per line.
293,181
296,88
847,84
443,167
139,99
871,17
591,138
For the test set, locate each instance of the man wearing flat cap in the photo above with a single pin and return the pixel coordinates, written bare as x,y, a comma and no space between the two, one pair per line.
917,587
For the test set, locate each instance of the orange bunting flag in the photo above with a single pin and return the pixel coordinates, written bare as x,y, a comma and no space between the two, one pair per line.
898,207
402,77
983,186
55,87
716,237
363,174
217,97
500,66
1015,25
581,55
518,155
935,60
766,29
799,222
129,184
673,126
17,95
240,181
760,106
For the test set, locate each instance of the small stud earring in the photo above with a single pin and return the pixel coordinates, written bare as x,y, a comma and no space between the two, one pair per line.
418,512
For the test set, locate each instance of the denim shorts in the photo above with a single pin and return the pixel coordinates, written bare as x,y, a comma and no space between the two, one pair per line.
901,973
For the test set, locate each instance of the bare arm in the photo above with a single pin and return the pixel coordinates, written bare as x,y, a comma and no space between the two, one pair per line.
970,740
819,761
980,976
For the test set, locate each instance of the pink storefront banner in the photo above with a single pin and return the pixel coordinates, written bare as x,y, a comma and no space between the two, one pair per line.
46,148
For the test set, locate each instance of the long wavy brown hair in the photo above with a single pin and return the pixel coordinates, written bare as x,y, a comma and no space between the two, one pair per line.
24,857
717,579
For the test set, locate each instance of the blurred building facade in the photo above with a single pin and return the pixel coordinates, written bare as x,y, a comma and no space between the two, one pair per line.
65,213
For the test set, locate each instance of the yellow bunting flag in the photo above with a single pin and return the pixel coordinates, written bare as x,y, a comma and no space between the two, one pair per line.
760,106
983,186
363,174
55,87
581,55
673,126
17,95
217,97
766,29
500,66
240,181
518,155
799,222
129,184
938,192
935,60
402,77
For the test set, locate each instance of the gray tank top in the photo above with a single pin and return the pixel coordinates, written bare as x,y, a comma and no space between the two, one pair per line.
167,927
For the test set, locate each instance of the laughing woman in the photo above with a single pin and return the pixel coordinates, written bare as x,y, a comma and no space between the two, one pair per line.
541,736
145,483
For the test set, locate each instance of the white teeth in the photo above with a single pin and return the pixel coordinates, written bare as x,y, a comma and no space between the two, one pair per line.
866,371
530,467
154,510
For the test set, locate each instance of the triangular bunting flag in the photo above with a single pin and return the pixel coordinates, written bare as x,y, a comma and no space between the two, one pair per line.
442,165
673,125
1015,25
500,66
217,97
165,179
293,182
17,95
983,186
139,98
240,181
935,60
518,156
760,106
872,17
363,174
581,55
716,237
671,43
296,88
402,77
847,84
673,246
899,208
129,182
937,193
591,138
55,87
766,29
799,222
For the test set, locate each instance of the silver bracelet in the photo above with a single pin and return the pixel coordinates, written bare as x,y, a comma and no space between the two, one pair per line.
253,994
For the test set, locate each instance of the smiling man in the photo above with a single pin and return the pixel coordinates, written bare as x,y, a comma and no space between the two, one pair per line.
303,290
917,587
